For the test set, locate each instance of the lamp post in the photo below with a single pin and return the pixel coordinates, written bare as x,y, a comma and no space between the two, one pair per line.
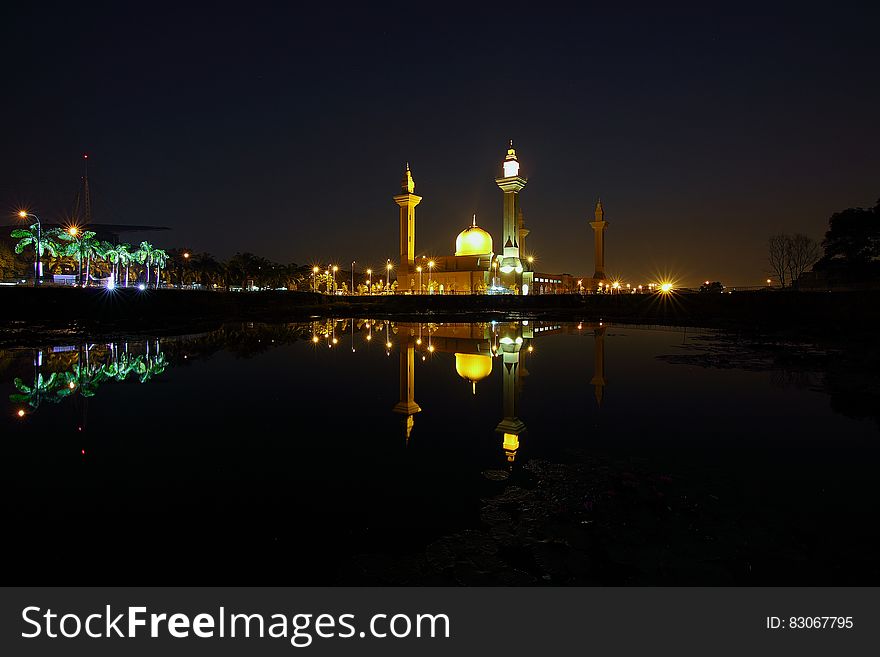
183,267
335,269
430,271
73,231
387,276
370,282
315,278
419,269
24,214
351,290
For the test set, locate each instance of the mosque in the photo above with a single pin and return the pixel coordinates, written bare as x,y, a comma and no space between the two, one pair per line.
476,268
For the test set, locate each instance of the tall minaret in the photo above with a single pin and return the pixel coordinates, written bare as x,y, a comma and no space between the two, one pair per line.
511,184
523,232
407,202
599,237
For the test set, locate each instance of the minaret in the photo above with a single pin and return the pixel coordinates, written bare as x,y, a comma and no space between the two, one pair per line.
599,239
598,381
523,232
407,202
511,184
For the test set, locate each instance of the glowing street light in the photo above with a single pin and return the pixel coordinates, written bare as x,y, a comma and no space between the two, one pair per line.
388,267
430,271
24,214
315,271
351,291
73,231
419,269
666,287
370,283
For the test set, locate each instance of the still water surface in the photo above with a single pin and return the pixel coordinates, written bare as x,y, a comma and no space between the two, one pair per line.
369,451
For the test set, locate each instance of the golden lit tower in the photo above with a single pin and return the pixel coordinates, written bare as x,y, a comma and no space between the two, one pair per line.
599,237
523,232
598,381
511,184
407,202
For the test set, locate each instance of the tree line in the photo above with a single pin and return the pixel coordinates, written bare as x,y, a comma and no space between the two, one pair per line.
850,249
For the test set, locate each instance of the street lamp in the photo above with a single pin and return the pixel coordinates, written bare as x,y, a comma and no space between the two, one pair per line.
335,269
419,269
351,291
430,271
24,214
73,231
387,276
315,278
370,282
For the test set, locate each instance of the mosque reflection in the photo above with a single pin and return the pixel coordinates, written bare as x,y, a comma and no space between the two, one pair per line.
478,347
74,373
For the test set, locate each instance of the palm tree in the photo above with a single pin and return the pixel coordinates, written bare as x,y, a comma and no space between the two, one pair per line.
160,257
43,241
144,255
125,257
82,245
111,254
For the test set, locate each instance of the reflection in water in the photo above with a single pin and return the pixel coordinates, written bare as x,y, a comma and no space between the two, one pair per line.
475,346
69,372
709,475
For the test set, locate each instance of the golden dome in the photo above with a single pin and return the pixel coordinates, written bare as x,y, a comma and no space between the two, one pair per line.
473,367
473,240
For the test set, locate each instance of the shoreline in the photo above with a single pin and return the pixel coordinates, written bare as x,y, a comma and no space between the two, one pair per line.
29,312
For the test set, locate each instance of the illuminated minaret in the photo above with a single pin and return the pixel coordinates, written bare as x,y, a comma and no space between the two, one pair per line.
407,202
511,184
407,404
598,381
599,237
523,233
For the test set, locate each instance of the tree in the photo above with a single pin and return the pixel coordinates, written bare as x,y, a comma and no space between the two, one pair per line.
43,241
125,257
853,237
111,254
803,253
160,257
10,266
714,287
144,255
777,256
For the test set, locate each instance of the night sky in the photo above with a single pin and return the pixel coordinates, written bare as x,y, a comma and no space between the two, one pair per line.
284,131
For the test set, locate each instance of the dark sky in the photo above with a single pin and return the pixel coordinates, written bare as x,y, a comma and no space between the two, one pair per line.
284,130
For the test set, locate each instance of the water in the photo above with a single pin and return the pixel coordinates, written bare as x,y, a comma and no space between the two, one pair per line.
369,451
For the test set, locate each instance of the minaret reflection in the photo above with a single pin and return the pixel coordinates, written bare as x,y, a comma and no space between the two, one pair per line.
407,405
598,381
510,340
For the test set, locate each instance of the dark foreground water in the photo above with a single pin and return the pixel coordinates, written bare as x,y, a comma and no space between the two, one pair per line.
403,453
